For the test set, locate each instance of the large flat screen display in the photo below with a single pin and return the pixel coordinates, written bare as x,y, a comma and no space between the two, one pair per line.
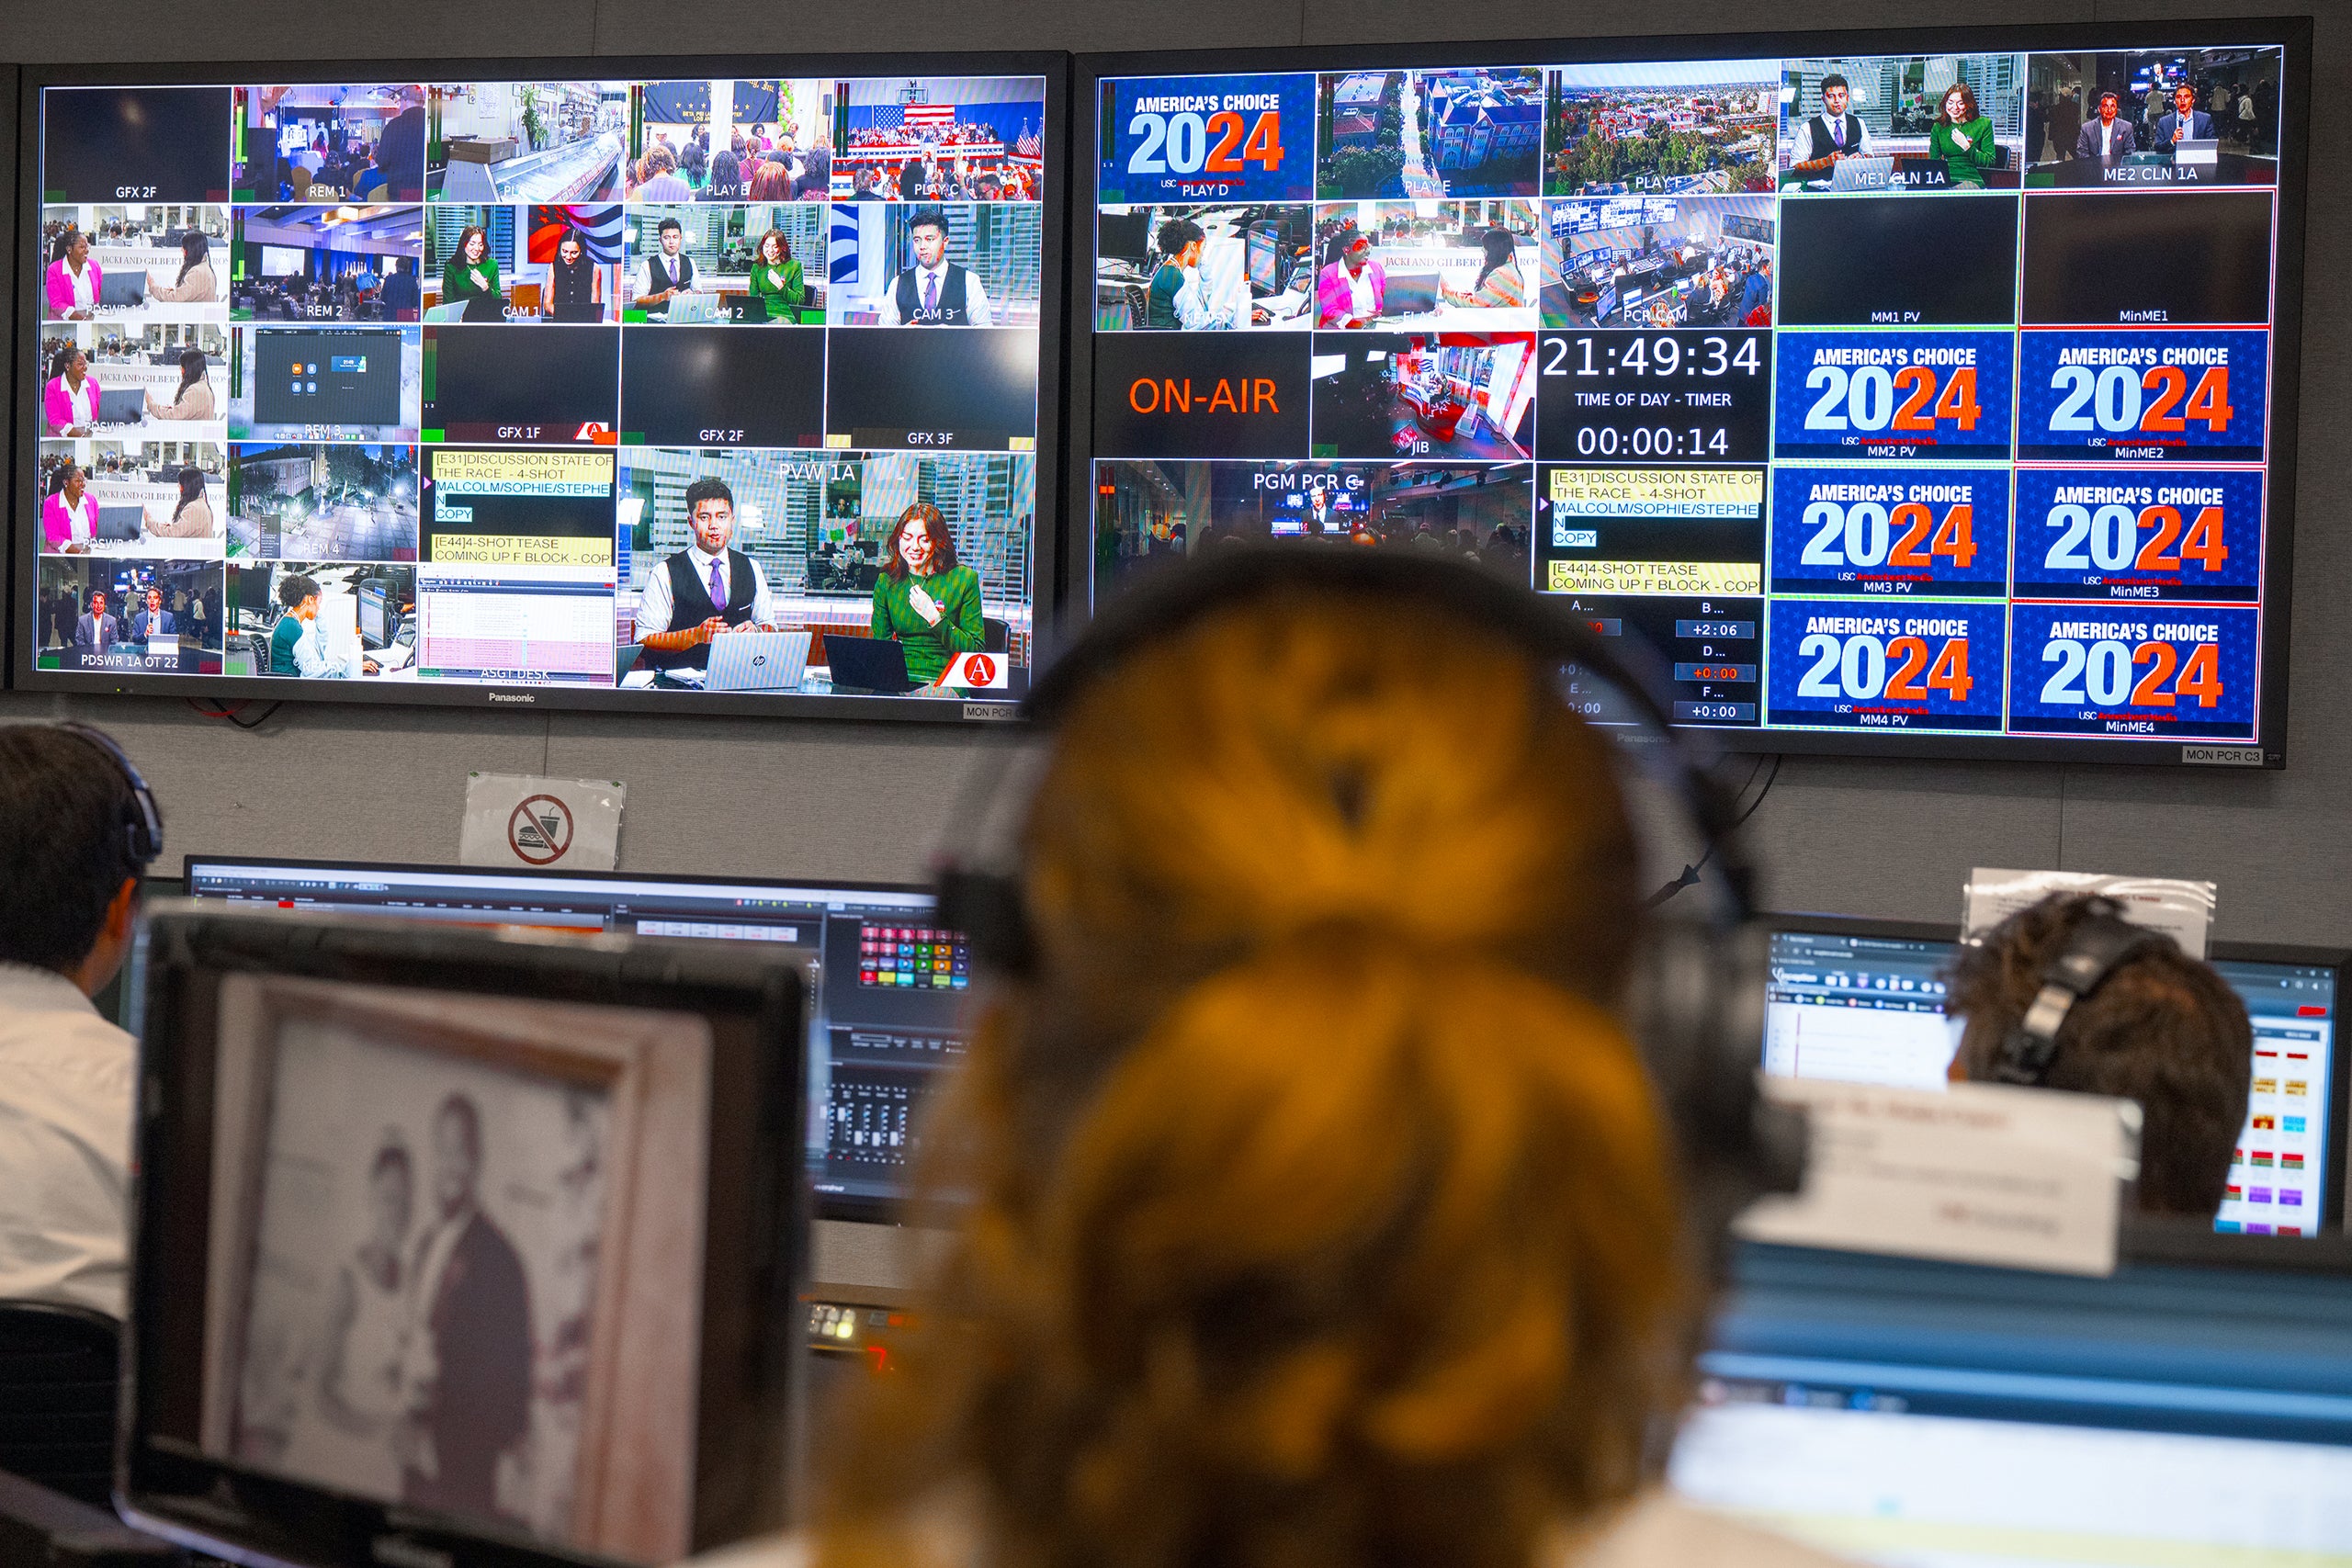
680,384
1915,393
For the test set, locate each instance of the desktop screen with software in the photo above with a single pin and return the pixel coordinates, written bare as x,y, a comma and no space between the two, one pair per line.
1864,1002
887,982
1917,1414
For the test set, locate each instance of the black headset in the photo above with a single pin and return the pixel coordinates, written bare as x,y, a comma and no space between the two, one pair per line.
2102,943
1697,1004
143,824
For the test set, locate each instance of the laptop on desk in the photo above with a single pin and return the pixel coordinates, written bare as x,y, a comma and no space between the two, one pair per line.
122,288
1409,294
870,666
757,661
127,406
1861,174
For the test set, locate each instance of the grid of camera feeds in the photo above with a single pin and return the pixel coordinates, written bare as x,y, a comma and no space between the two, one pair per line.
720,386
1920,394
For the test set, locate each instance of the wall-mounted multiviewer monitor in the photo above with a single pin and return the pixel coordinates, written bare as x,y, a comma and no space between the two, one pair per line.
1913,393
670,384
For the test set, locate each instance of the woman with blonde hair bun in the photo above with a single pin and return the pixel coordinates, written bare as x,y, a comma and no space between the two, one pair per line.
1313,1207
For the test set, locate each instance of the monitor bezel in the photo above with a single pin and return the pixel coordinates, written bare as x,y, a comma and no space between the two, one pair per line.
837,1207
747,1379
2293,34
2337,1191
1045,529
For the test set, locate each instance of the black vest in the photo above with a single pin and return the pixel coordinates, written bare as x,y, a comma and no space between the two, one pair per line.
1821,146
683,262
690,605
951,300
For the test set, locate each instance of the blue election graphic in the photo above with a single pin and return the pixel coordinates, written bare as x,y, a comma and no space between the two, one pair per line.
2144,396
2123,534
1912,395
1915,667
1891,531
2161,671
1207,139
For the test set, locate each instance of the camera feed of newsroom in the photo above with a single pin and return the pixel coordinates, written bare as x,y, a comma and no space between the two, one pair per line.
1729,353
590,384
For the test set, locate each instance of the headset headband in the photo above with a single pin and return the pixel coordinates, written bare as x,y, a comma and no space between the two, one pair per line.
2102,943
143,824
1242,574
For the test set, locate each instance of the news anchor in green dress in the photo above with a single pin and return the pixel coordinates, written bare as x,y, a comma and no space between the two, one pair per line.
1963,139
472,272
775,276
925,599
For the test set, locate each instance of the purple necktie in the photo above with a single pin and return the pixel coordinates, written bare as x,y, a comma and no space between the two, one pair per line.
931,294
717,586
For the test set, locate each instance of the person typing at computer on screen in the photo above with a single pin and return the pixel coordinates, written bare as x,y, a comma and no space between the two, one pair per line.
299,646
65,1073
707,590
2161,1029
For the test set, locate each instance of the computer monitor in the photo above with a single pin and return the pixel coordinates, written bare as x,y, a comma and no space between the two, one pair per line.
1862,999
1905,1413
885,990
456,1246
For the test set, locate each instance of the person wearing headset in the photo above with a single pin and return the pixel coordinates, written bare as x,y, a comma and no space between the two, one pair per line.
76,831
2155,1026
1302,1039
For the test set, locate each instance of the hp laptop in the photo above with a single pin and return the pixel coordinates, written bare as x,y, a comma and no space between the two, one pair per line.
757,661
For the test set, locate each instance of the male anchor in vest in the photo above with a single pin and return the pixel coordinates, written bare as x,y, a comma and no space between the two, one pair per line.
934,292
1836,132
665,273
705,589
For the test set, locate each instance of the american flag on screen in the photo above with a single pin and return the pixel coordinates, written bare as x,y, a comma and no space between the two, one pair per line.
918,117
1029,146
600,229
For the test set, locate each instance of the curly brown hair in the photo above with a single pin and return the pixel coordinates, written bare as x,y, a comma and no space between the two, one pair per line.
1329,896
2165,1030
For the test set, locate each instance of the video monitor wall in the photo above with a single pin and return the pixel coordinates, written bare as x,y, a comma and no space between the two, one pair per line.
667,388
1910,393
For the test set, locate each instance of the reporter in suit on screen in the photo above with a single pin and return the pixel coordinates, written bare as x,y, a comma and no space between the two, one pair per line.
2186,123
707,590
97,630
2109,138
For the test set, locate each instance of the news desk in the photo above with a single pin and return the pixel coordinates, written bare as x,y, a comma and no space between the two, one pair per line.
2086,174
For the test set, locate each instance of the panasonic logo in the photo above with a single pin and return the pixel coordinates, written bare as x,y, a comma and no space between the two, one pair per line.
2222,756
513,696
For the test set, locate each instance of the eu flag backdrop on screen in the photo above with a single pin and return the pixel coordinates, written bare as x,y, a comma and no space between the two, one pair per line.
1247,137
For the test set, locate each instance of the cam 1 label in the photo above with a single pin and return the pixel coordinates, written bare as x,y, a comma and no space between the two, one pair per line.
1207,139
1928,667
1933,532
2156,671
2143,397
2108,534
1898,396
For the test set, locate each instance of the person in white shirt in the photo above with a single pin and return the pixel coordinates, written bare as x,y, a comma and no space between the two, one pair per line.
934,292
75,833
667,272
703,590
